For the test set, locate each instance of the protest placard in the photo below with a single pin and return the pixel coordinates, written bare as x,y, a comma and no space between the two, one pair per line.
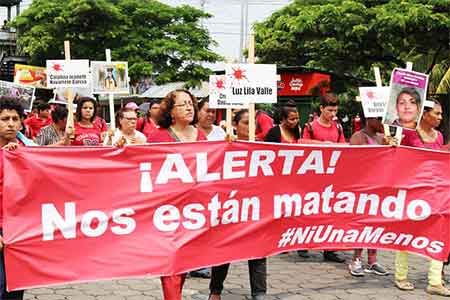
24,93
110,77
217,96
251,83
374,100
68,73
407,96
30,75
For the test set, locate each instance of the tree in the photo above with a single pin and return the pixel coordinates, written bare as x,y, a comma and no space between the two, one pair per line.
156,39
351,36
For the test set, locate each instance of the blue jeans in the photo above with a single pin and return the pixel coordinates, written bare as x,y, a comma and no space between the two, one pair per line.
17,295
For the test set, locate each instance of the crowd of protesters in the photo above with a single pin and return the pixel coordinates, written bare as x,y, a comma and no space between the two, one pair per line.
179,117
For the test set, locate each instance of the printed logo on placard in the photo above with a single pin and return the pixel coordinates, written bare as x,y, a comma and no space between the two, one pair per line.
57,67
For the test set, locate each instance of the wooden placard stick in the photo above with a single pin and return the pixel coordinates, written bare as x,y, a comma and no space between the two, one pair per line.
229,115
387,128
228,122
251,106
376,70
409,66
112,117
70,126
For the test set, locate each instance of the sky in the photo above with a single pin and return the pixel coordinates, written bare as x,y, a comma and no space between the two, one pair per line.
225,24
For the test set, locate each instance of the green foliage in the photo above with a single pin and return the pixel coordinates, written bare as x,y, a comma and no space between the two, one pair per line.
352,36
155,39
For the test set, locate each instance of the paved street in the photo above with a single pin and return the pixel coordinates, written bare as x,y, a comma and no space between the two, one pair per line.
290,278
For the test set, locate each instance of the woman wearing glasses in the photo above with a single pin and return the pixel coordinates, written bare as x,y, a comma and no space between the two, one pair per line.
178,115
126,133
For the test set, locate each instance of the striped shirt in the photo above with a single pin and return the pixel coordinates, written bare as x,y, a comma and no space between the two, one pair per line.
48,136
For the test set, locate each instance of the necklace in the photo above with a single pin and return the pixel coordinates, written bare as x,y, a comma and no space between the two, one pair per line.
425,136
187,135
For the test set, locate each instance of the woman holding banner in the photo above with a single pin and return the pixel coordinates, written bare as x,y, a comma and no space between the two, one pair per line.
11,116
126,133
54,134
206,118
257,267
86,132
150,120
178,117
371,134
288,131
426,136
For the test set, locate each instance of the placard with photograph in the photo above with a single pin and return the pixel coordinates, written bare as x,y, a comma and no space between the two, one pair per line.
24,93
408,90
30,75
110,77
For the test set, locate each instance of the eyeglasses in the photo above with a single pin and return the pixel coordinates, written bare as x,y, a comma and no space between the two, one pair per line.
130,119
184,104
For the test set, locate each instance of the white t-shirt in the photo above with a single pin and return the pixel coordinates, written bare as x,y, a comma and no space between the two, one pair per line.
118,135
217,134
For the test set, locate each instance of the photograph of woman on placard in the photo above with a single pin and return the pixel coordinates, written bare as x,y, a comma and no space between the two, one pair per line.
405,106
408,108
110,81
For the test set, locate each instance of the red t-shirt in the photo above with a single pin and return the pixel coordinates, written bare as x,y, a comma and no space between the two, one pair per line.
140,124
162,135
35,124
324,134
263,124
411,138
85,136
147,128
100,124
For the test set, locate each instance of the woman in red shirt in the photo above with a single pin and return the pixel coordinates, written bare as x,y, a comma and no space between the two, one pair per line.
178,117
86,132
150,121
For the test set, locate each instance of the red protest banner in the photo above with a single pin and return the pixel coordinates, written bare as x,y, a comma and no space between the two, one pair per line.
81,214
